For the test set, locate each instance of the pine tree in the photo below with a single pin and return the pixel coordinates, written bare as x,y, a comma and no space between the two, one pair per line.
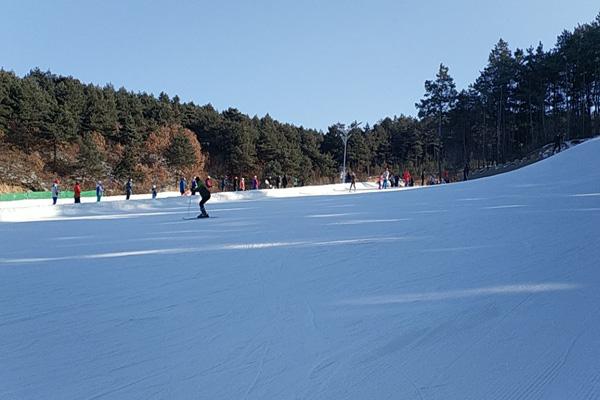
180,153
90,161
440,96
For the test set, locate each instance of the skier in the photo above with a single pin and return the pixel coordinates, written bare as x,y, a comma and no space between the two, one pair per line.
99,191
154,192
557,143
182,185
353,181
194,186
236,185
128,189
77,192
466,171
205,194
255,183
242,184
284,181
55,191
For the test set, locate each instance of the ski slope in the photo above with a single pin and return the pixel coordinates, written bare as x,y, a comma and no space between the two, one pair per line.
487,289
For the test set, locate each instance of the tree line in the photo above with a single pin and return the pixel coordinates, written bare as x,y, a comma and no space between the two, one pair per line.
519,102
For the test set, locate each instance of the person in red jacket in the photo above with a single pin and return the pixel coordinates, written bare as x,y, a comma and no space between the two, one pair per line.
77,192
208,182
406,177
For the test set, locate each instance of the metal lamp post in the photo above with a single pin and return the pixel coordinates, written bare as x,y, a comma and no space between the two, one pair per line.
345,133
345,136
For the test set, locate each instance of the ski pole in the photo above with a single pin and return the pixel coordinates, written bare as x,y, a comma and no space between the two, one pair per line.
189,205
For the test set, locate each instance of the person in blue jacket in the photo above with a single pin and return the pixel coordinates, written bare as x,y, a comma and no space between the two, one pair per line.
194,186
182,185
99,191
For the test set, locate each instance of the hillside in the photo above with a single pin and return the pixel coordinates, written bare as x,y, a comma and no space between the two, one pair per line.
523,99
485,289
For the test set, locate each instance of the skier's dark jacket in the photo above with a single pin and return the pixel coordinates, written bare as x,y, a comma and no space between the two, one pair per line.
204,192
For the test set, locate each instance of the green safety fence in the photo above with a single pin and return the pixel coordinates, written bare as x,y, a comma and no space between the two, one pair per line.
42,195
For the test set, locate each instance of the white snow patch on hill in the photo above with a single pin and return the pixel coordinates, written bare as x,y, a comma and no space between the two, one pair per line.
478,290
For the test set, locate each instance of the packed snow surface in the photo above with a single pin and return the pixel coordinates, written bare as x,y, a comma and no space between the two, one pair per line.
487,289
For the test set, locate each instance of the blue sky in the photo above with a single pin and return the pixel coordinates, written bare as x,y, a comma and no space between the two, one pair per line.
307,62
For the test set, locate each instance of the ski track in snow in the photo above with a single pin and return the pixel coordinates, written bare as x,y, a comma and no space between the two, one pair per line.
477,290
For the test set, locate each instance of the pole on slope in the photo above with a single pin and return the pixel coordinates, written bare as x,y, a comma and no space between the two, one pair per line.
345,133
189,206
345,139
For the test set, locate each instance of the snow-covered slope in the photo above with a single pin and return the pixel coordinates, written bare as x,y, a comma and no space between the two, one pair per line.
480,290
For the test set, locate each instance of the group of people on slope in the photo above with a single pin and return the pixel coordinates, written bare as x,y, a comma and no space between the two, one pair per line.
194,187
55,191
386,179
198,186
240,183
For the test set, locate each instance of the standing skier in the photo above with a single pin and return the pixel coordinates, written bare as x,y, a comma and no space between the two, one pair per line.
55,191
353,181
194,186
182,185
557,143
128,189
77,192
99,191
154,192
242,184
205,194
